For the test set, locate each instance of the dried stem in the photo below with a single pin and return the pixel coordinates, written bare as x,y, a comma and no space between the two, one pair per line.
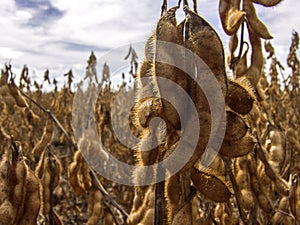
159,202
50,114
108,197
179,3
159,218
242,41
227,163
262,154
195,6
164,7
51,187
16,150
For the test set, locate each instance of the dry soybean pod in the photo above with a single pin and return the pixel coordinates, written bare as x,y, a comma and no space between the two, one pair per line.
259,28
262,199
280,215
224,7
294,198
167,31
232,45
13,175
243,182
206,43
95,206
19,192
211,184
142,211
32,200
280,184
15,93
73,171
240,96
267,3
19,174
236,128
45,139
254,72
238,148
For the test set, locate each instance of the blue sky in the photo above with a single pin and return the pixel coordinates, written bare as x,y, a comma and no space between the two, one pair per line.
60,34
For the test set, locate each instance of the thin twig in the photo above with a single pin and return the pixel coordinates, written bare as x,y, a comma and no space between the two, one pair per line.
267,131
185,3
52,116
227,163
51,187
159,201
235,60
284,213
102,189
242,41
195,6
281,73
164,7
262,154
253,215
15,152
179,3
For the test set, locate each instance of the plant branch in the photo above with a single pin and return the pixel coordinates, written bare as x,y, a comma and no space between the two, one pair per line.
102,189
164,7
227,163
195,6
242,41
50,114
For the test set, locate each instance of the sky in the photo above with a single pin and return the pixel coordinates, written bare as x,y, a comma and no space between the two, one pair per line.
60,34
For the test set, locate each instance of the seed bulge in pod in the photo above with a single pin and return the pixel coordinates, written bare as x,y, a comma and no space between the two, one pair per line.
205,42
240,97
209,183
236,127
237,148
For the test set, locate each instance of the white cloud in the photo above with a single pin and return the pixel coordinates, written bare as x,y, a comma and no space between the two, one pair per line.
9,53
65,42
23,15
281,21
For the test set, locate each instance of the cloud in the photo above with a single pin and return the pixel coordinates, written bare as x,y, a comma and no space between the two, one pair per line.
42,11
281,21
60,34
10,53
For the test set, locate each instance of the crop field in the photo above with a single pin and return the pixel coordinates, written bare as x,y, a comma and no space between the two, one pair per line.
199,136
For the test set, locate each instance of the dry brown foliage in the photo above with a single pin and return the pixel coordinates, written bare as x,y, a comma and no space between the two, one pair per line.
254,179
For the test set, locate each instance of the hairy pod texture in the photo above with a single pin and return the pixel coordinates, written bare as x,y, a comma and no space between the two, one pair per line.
231,15
202,40
253,179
